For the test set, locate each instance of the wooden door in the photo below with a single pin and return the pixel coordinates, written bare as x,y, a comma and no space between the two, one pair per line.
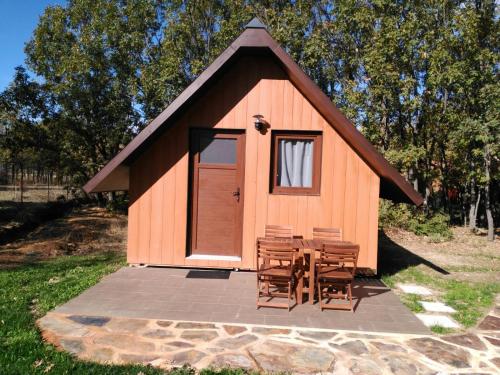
217,176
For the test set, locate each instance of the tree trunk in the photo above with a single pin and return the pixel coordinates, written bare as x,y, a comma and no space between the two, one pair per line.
476,208
48,188
473,205
413,178
489,216
487,200
444,185
21,185
427,198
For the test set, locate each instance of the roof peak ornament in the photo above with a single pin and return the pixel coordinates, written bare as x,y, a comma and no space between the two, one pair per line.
255,23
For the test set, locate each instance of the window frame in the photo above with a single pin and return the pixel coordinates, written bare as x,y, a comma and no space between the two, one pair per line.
317,138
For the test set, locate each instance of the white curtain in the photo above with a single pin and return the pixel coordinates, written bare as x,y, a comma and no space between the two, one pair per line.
295,163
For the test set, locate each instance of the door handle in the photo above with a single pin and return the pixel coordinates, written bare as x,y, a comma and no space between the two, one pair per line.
237,194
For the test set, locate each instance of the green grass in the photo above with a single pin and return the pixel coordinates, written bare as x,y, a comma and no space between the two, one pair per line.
411,301
470,300
441,330
29,291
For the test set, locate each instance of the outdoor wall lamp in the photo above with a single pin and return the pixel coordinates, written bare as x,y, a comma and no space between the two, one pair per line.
259,122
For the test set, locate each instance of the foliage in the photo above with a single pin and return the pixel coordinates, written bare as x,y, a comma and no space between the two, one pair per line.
433,225
27,294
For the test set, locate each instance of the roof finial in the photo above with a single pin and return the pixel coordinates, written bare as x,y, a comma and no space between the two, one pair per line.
255,23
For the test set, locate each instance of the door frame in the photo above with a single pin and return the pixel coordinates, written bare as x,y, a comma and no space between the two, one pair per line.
194,137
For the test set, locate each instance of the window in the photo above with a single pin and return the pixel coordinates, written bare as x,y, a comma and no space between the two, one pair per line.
296,164
217,150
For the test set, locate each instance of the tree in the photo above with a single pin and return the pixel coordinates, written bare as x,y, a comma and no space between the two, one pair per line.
474,138
25,112
89,55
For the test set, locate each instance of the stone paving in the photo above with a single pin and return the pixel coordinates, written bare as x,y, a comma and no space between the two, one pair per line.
434,309
432,320
169,343
415,289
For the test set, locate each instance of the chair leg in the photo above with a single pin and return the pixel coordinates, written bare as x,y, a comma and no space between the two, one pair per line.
289,293
296,293
266,282
258,292
320,296
349,294
300,290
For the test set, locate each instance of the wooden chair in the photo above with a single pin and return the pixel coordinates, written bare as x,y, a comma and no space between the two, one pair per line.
336,270
277,272
322,235
279,231
327,234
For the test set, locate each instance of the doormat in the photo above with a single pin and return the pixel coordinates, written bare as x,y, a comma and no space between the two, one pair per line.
197,274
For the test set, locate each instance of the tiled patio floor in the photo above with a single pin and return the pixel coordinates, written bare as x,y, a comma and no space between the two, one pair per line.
166,293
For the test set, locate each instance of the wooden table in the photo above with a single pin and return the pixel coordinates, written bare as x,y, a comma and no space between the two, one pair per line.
307,247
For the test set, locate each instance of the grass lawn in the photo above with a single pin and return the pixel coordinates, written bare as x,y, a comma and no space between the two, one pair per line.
29,291
469,299
463,273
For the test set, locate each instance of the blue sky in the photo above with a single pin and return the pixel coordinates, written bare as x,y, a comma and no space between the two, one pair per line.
18,19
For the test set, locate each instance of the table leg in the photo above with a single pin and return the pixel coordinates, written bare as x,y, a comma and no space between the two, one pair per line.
300,281
312,270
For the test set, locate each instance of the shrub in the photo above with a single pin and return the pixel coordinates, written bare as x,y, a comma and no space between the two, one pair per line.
433,225
118,204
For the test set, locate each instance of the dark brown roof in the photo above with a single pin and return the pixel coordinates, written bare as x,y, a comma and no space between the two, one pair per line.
114,175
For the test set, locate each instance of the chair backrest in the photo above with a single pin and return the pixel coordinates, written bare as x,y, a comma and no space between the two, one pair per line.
271,251
279,231
327,234
344,255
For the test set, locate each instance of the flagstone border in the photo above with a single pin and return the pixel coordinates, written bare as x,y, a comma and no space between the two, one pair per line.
168,344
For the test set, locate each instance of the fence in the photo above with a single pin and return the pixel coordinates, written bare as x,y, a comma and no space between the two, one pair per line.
33,193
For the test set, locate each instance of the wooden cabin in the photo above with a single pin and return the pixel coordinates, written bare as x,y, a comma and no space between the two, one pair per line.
252,141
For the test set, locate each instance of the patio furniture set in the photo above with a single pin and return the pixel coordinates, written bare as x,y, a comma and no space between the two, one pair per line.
289,266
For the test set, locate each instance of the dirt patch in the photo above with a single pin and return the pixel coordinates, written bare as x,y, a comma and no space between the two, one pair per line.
18,219
86,230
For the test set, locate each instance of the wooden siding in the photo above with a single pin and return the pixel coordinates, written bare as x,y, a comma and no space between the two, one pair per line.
159,178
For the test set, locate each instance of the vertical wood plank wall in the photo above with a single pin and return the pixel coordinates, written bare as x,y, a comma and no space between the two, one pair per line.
158,213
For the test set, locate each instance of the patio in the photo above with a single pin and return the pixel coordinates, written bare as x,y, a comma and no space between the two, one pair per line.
229,297
165,318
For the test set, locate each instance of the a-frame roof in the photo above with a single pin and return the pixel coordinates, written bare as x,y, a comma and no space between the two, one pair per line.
255,38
